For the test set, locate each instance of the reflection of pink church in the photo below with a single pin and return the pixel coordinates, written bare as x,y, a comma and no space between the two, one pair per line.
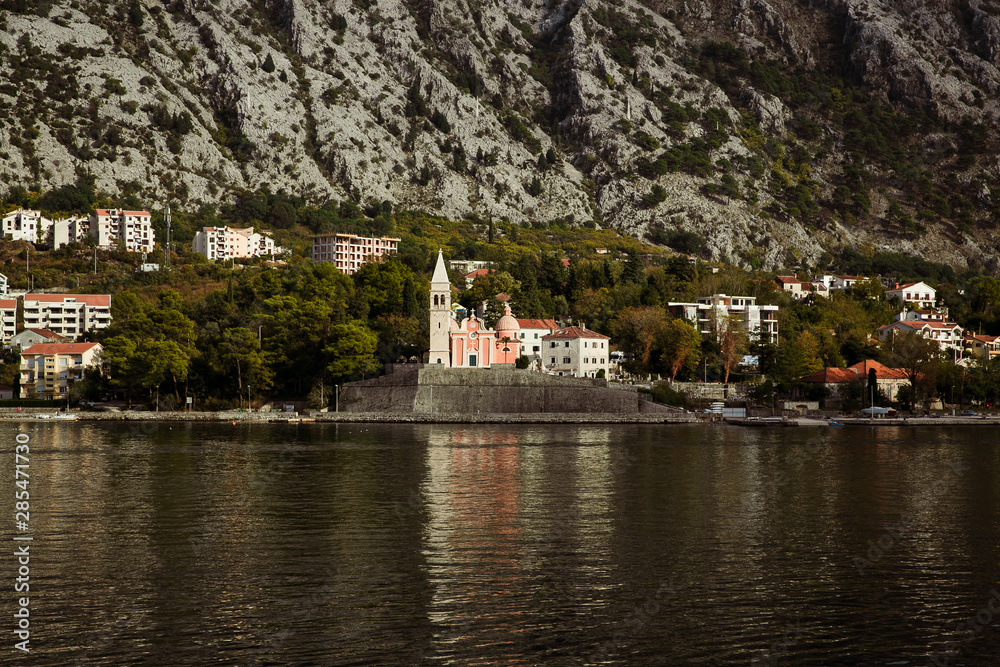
468,343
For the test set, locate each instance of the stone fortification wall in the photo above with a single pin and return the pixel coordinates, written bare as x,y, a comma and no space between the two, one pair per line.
435,390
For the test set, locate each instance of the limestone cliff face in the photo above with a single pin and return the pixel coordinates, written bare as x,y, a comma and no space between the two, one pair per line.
531,111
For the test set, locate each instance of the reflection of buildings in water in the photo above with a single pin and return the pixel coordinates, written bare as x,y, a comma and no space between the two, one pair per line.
498,508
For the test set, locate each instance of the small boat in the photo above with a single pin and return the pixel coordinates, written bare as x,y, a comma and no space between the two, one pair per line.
836,423
64,418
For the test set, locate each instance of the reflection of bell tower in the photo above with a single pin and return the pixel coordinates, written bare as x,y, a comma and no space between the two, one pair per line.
440,349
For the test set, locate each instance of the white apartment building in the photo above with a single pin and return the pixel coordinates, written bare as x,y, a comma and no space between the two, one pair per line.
576,352
49,370
134,228
68,315
233,242
756,321
24,225
348,252
66,231
8,319
532,332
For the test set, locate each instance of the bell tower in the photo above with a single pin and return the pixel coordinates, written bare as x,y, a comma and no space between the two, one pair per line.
440,307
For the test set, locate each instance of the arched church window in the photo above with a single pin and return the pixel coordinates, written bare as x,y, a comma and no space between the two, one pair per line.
435,299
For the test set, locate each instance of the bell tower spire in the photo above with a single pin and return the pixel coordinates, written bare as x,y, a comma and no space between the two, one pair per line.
440,309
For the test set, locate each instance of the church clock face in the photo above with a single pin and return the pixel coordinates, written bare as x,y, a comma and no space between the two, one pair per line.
472,335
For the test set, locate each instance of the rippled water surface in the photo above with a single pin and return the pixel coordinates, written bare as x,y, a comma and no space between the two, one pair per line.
196,544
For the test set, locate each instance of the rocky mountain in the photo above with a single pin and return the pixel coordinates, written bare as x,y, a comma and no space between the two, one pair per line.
777,131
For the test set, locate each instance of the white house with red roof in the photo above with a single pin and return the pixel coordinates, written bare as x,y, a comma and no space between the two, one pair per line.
947,335
576,351
532,332
29,337
800,289
921,294
982,345
134,228
471,276
68,315
8,319
49,370
888,380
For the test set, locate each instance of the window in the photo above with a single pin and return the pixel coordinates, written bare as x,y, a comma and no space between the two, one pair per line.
586,360
567,360
552,361
566,344
534,348
536,336
63,361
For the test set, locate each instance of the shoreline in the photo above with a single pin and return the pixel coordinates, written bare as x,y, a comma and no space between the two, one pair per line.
484,418
362,418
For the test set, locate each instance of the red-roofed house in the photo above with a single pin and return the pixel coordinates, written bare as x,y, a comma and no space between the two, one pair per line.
471,276
800,289
888,380
922,294
67,315
575,351
981,345
30,337
947,335
532,332
50,370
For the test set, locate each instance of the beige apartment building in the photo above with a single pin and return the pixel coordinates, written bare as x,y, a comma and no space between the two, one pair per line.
50,370
348,252
233,242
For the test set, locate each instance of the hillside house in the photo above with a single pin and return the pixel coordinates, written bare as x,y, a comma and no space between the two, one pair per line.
921,295
947,335
576,352
24,225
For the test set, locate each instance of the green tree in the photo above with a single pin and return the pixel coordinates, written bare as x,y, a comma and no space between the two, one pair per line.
240,351
118,358
352,350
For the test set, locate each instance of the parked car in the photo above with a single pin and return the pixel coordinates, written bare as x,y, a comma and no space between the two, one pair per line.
969,413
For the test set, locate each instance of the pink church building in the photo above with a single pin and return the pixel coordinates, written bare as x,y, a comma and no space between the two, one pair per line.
467,344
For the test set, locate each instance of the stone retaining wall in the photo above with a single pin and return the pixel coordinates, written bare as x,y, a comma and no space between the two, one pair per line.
470,391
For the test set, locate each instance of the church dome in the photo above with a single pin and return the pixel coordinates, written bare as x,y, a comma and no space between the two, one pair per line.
507,324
